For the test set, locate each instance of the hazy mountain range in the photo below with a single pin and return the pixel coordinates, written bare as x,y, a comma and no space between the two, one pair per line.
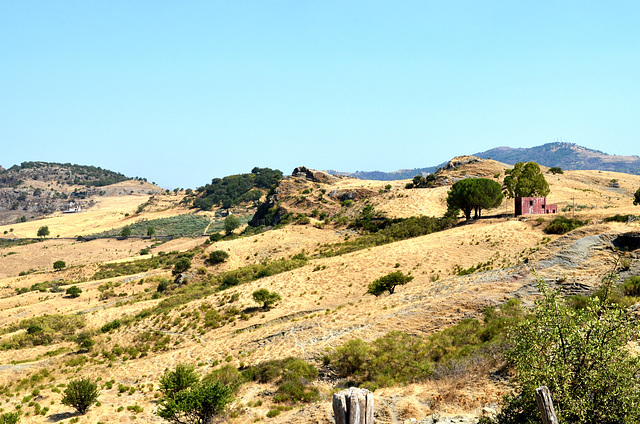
568,156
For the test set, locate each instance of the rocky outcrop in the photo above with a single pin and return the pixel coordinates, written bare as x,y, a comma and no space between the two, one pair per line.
459,161
313,175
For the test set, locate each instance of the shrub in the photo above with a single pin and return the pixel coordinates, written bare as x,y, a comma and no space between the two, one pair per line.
81,394
631,286
581,355
59,265
266,297
181,266
617,218
388,283
163,285
10,418
215,237
218,256
556,170
562,225
187,399
183,377
292,376
116,323
73,292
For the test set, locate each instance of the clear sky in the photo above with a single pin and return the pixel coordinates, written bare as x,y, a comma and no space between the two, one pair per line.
181,92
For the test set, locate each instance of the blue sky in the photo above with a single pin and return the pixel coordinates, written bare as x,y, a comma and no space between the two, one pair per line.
182,92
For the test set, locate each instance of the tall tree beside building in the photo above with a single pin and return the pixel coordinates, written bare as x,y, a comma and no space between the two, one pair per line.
525,180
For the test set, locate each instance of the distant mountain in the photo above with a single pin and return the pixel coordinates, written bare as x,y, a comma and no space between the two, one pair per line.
402,174
568,156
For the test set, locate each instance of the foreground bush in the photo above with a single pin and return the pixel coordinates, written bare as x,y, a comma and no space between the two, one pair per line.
582,355
562,225
293,377
400,358
186,399
81,394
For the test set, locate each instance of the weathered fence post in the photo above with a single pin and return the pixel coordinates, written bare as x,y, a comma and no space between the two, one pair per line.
545,405
353,406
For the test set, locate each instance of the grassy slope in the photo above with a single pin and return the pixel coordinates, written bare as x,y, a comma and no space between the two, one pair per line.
323,302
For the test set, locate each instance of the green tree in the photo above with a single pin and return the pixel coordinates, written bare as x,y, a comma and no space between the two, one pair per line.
266,297
231,222
73,292
582,355
151,231
183,377
388,283
43,231
525,180
218,256
59,265
81,394
186,400
474,194
126,232
636,197
181,266
556,170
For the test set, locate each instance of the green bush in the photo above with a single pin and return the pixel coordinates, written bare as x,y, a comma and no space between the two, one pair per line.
293,377
10,418
400,358
581,355
73,292
183,377
59,265
562,225
617,218
81,394
181,266
112,325
43,330
266,297
388,283
218,256
187,399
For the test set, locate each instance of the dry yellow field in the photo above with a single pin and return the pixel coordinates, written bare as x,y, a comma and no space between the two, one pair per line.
324,303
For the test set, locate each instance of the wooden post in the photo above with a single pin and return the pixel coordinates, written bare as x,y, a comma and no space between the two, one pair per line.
545,405
353,406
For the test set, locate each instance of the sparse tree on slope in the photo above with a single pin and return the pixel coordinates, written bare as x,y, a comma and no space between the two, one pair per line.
636,197
231,222
266,297
81,394
388,283
43,231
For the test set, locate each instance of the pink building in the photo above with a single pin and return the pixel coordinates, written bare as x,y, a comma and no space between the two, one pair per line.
534,206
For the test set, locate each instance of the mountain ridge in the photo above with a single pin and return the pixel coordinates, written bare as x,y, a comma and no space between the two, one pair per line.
568,156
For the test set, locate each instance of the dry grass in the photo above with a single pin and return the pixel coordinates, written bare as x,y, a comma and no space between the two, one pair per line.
323,303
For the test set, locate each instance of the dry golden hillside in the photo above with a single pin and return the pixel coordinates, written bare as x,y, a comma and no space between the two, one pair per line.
323,302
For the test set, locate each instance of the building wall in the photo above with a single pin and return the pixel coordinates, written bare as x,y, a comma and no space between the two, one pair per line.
533,206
